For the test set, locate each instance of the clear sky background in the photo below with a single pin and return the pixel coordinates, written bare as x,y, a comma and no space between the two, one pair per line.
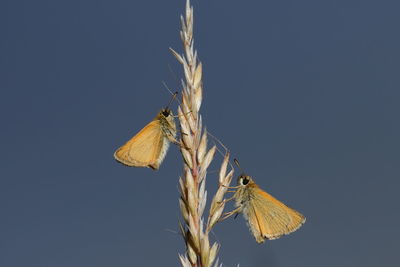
304,93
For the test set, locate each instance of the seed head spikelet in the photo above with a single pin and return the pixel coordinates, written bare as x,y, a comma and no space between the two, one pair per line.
196,158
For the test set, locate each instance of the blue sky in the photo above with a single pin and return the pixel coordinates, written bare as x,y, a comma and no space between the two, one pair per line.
304,93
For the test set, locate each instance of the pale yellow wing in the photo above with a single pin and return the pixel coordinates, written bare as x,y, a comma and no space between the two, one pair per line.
269,218
144,149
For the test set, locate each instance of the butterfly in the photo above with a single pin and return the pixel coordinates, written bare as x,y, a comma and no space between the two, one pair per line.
149,146
267,217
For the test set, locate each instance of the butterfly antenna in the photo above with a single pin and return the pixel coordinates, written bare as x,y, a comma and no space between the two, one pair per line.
173,73
172,99
172,231
222,144
237,164
219,142
173,94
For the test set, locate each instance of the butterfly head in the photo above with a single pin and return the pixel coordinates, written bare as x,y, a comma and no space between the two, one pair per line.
244,180
166,112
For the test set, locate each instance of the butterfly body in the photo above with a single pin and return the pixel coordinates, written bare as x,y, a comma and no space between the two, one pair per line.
149,146
267,217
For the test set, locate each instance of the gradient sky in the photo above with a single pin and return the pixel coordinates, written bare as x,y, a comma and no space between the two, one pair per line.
304,93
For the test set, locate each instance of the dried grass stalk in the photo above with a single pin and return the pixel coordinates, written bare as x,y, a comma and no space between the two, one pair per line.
196,157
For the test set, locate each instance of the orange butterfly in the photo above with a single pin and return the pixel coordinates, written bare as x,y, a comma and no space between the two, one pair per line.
267,217
149,147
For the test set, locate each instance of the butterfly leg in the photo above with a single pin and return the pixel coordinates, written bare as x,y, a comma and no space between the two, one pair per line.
226,215
230,187
184,114
176,142
173,140
171,137
226,200
182,132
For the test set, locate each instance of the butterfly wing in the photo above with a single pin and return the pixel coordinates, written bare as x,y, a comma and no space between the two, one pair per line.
144,149
269,218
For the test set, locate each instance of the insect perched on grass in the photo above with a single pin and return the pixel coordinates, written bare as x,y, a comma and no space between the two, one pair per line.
149,146
267,217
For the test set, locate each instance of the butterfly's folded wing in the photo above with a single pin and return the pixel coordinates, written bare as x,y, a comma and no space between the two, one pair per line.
269,218
144,148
